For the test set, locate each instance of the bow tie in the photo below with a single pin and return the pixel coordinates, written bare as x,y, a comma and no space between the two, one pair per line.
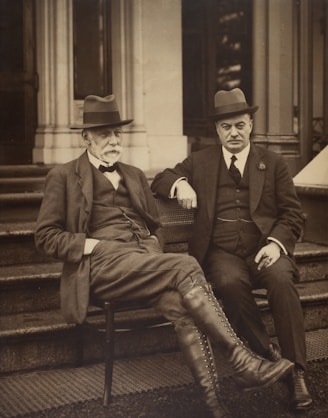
110,169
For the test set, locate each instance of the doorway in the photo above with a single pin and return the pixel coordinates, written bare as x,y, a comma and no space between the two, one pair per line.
18,81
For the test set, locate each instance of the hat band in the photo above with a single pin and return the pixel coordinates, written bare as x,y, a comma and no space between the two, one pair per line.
234,107
102,117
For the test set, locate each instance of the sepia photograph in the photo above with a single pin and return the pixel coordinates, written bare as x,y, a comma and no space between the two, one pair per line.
163,208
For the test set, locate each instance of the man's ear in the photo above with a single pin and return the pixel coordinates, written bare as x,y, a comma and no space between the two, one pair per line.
217,137
216,127
85,136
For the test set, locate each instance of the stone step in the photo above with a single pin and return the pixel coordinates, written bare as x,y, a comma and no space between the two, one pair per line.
21,191
34,287
28,170
29,287
17,247
26,276
17,244
314,299
47,341
312,261
43,340
23,206
304,251
21,185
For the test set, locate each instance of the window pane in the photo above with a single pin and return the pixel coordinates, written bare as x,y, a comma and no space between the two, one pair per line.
92,69
234,45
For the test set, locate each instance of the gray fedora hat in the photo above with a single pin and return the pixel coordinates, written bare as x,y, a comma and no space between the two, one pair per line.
100,111
231,103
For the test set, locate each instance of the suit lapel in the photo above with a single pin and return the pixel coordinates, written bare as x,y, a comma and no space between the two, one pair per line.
84,172
256,177
133,186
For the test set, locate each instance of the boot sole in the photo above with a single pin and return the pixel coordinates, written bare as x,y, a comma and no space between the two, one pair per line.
302,407
275,379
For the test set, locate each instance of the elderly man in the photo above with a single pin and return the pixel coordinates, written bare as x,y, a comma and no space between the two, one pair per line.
98,215
248,219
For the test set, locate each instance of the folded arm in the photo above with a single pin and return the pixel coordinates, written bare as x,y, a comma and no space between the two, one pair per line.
175,183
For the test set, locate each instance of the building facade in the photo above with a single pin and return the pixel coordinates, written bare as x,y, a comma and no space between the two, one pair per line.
164,60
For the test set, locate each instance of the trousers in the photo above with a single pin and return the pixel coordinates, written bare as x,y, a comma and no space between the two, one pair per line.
233,278
139,270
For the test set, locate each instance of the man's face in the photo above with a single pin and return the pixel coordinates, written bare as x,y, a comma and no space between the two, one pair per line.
104,143
234,132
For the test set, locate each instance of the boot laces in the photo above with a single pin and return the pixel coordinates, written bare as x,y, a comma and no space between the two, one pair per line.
215,303
210,360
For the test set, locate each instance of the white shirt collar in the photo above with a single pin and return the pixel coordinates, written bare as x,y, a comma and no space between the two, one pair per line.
241,158
113,177
95,161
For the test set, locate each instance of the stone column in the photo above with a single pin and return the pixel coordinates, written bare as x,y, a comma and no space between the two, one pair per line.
54,141
305,81
275,76
147,79
127,55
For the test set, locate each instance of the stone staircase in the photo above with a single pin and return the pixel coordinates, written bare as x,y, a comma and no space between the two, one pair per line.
33,335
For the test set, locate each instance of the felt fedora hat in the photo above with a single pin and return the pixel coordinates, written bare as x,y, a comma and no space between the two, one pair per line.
230,103
100,111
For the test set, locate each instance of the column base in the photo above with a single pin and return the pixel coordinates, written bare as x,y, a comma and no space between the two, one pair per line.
57,146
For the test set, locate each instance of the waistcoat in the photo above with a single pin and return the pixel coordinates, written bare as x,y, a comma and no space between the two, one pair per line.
113,216
234,231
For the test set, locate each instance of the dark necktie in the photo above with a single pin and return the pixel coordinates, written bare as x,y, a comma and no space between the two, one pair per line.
233,170
110,169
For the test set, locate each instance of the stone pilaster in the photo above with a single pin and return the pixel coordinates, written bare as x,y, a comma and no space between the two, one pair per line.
147,80
275,63
54,141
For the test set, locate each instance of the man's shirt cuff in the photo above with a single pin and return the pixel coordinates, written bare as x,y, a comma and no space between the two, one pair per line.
283,249
89,245
172,194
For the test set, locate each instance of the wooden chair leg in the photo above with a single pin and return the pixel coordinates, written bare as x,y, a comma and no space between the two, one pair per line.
109,352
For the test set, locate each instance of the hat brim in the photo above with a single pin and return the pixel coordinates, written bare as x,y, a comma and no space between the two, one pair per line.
99,125
250,110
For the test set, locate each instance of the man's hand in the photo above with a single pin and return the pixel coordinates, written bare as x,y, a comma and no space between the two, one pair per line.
267,255
186,195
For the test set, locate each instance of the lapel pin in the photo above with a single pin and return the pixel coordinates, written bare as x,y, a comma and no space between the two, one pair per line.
261,166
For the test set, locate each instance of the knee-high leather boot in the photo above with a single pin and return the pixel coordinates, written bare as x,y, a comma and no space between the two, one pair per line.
197,351
251,370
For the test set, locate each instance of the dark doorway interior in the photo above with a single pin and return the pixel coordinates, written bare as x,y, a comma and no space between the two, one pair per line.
18,81
217,54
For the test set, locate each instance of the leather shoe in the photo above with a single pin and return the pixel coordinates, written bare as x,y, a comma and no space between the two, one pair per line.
255,372
273,353
300,396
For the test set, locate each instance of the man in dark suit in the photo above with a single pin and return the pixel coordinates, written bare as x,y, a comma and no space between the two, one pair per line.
247,221
98,215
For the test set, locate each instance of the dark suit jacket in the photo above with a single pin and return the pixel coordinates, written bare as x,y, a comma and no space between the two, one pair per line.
274,205
62,225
